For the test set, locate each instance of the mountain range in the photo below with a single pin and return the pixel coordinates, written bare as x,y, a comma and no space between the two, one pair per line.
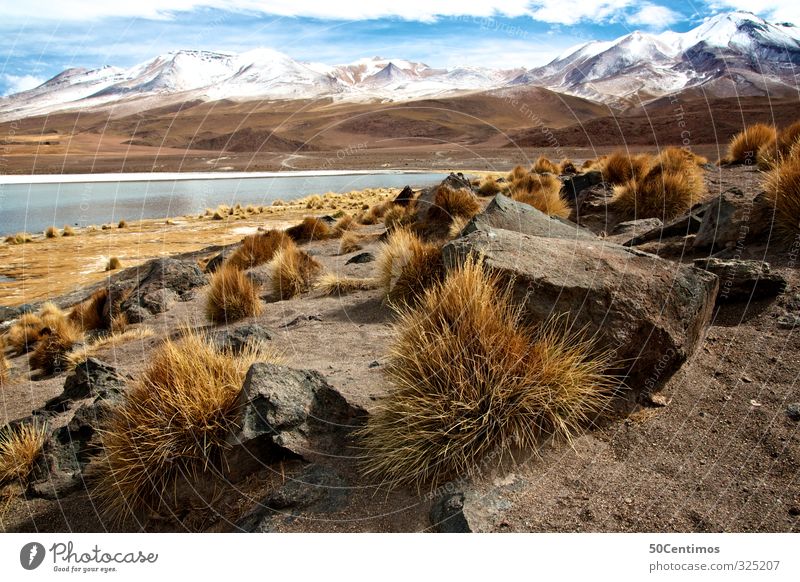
733,53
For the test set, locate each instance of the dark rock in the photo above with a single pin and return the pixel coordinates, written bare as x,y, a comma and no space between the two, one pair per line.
732,219
504,213
360,258
793,411
405,197
447,514
9,313
640,226
91,378
572,187
301,319
743,279
296,412
651,312
681,226
235,340
374,364
163,281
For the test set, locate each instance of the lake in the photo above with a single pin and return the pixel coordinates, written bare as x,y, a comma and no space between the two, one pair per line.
32,203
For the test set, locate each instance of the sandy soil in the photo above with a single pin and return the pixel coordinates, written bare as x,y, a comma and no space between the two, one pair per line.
722,455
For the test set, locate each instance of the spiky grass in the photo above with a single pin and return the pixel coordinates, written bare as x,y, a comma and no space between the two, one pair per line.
100,343
400,216
782,189
258,249
407,266
743,147
293,272
675,159
56,340
471,382
113,264
232,295
456,227
332,284
51,232
660,194
517,173
566,166
544,166
619,167
543,192
350,243
5,366
308,230
122,224
449,203
19,239
68,231
489,187
20,449
90,314
173,423
779,149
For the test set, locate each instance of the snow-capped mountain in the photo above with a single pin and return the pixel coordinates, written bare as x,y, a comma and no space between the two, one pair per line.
728,54
727,46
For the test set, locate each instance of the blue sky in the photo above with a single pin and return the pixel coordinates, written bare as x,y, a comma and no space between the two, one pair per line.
40,38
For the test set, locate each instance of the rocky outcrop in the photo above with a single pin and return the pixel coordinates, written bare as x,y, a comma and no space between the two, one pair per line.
573,188
743,279
508,214
237,339
651,312
163,281
732,220
91,378
405,197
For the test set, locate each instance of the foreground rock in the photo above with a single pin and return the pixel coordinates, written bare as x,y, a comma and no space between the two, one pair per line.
237,339
732,220
743,279
289,412
508,214
164,281
651,312
91,378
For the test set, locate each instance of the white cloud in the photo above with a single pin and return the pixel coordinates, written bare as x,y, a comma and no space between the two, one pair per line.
772,10
574,11
653,16
18,83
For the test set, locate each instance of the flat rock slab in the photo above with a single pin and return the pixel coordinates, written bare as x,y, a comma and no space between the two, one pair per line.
651,312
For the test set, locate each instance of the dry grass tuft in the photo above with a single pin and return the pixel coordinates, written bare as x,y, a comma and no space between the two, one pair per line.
173,424
400,216
543,192
782,189
779,149
544,166
89,315
456,227
68,231
489,187
293,272
56,340
92,348
350,243
20,449
661,193
332,284
449,203
315,202
122,224
51,232
310,229
344,224
24,333
232,295
5,366
471,383
407,266
517,174
675,159
113,264
619,167
19,239
743,147
567,167
257,249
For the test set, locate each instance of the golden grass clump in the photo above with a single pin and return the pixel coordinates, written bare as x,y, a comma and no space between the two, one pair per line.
543,192
308,230
293,272
172,424
779,149
344,224
20,449
350,243
257,249
68,231
5,366
89,315
332,284
661,193
567,166
517,173
19,239
232,295
619,167
782,190
743,147
449,203
24,333
544,166
471,382
113,264
456,227
51,232
56,340
407,266
675,159
122,223
400,216
99,343
315,202
489,186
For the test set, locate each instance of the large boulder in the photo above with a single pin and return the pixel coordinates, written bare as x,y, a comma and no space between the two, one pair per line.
163,281
91,378
290,413
651,312
743,279
508,214
572,188
405,197
731,220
